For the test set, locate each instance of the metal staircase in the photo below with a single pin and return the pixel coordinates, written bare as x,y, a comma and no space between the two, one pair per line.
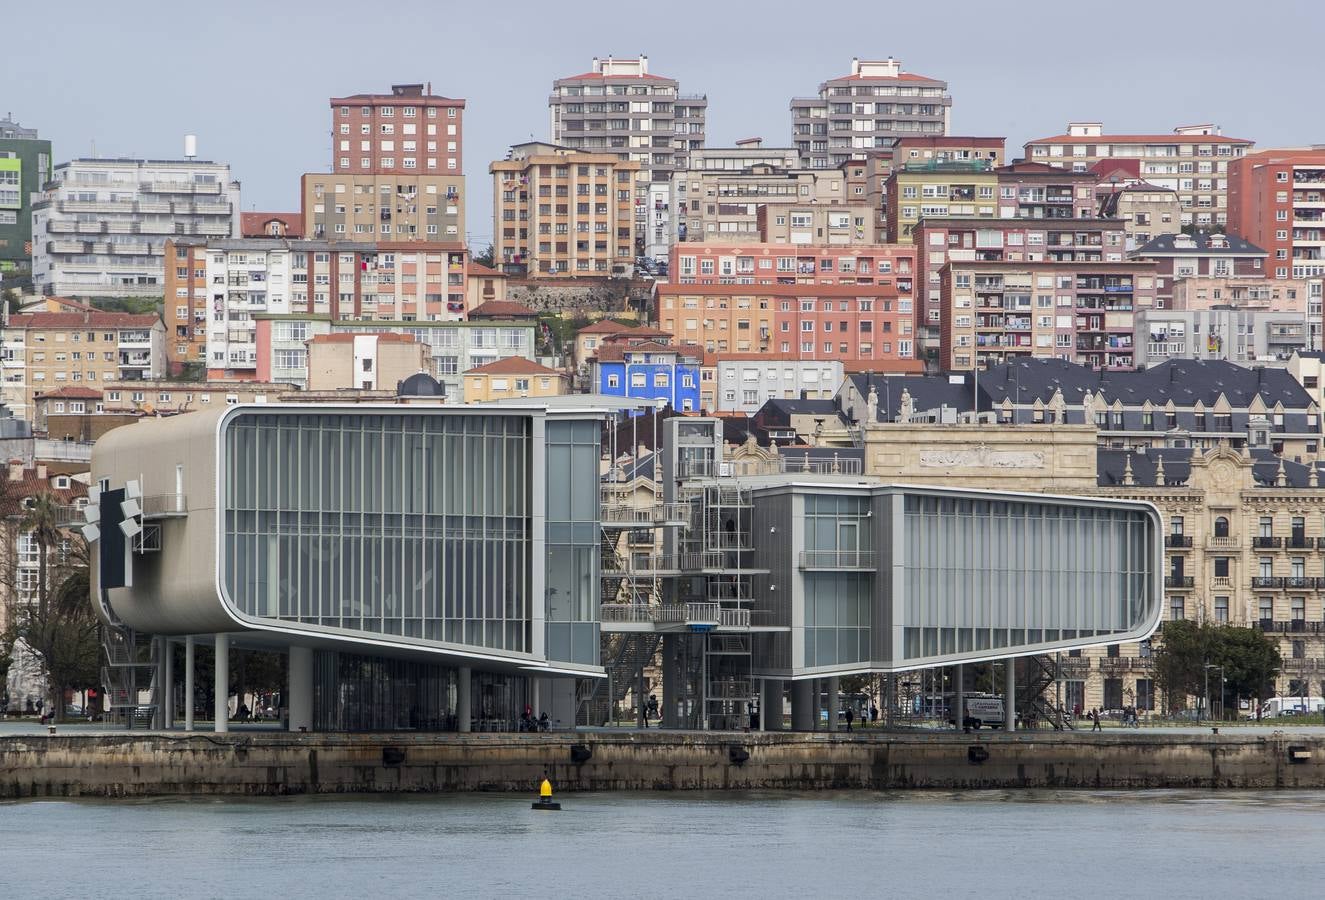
129,668
1034,693
729,687
628,654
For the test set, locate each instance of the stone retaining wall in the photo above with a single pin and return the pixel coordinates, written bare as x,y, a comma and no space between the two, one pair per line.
123,765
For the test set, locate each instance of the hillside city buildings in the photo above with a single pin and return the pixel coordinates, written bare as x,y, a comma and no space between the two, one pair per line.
652,441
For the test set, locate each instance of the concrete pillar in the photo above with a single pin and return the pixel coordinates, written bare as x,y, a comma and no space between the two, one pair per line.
189,691
1010,695
770,704
961,695
221,708
671,686
832,685
463,718
169,649
803,704
299,705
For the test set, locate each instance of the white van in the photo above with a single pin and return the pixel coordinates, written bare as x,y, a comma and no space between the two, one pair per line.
983,709
1291,706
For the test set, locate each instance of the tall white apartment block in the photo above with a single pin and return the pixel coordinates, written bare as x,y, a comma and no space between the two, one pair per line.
100,227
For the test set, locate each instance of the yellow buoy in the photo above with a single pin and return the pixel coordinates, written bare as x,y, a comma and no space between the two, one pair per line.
544,800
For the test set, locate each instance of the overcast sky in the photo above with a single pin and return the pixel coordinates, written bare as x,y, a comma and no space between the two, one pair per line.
252,79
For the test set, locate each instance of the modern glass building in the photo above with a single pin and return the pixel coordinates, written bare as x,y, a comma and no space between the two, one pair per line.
428,567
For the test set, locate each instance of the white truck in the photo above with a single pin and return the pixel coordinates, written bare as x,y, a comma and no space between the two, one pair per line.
1291,706
983,709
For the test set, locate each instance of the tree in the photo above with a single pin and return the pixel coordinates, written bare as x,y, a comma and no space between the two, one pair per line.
1249,661
65,635
484,258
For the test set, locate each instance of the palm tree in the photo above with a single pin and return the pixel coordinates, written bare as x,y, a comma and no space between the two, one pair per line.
41,517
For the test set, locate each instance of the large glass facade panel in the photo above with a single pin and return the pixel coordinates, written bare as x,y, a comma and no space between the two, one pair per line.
572,541
983,574
415,525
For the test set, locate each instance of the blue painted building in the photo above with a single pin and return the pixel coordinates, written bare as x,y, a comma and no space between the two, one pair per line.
648,371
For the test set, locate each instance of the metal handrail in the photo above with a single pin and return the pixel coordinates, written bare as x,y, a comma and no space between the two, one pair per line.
837,559
161,505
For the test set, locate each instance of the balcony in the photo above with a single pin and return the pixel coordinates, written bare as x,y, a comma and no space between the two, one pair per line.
1300,582
1179,581
1304,665
1074,665
1291,626
1178,541
1115,664
1299,542
1267,582
1222,543
1264,542
837,559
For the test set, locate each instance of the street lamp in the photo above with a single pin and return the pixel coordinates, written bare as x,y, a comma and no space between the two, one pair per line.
1208,667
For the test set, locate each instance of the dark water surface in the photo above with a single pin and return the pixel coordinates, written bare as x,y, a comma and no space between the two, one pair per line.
1169,844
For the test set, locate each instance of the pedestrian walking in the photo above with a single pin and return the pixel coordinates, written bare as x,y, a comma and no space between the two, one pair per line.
851,715
874,713
1095,717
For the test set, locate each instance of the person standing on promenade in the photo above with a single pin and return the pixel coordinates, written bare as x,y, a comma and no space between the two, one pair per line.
1095,717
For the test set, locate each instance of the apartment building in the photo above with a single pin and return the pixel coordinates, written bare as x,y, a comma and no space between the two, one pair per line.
167,397
410,128
864,110
857,324
215,290
452,347
648,370
367,362
620,107
996,311
1148,210
1193,161
879,165
383,206
25,167
1033,190
761,263
744,382
44,351
563,213
1276,200
1245,546
100,227
937,188
1238,334
722,204
811,224
513,378
940,239
1205,254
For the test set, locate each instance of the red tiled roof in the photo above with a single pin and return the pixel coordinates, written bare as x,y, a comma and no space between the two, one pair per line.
949,140
254,224
513,365
72,392
1142,139
97,319
615,352
503,309
1106,167
604,326
13,492
483,271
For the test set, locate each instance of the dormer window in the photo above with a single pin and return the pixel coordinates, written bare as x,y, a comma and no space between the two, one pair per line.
61,482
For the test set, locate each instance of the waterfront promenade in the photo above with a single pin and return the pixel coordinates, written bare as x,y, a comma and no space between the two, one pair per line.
110,764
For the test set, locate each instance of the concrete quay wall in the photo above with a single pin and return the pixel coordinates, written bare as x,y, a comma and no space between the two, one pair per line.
128,765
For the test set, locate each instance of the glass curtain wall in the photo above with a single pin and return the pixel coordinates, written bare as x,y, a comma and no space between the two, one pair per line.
412,525
572,541
987,574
